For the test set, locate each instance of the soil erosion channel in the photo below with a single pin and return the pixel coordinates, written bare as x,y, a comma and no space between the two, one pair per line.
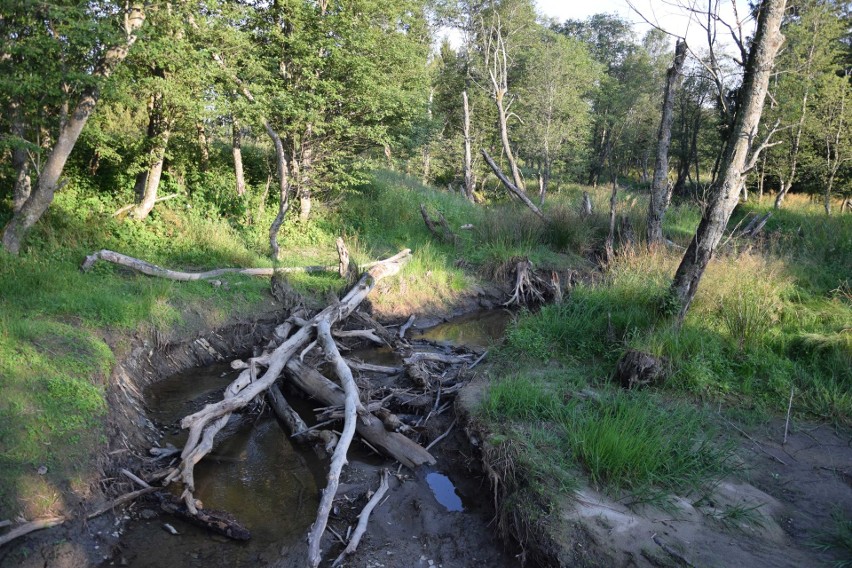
436,516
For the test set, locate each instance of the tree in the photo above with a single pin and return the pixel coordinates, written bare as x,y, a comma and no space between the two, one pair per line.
81,59
738,156
558,74
812,49
504,29
660,188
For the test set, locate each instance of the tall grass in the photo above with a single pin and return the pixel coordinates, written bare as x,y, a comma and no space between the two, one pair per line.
624,441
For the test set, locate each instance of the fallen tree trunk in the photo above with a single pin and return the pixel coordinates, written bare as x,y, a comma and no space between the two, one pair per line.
160,272
207,422
518,192
372,429
352,407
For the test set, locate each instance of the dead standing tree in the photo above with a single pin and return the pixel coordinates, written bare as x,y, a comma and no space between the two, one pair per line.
496,54
661,189
737,156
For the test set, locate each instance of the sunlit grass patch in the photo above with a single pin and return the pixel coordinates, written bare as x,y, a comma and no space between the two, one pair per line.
637,442
632,442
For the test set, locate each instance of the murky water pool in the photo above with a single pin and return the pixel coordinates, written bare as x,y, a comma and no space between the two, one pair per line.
256,473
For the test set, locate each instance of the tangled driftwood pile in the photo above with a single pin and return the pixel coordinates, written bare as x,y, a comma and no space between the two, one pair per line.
384,405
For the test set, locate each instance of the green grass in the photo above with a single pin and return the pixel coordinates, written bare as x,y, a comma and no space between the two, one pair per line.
622,441
838,539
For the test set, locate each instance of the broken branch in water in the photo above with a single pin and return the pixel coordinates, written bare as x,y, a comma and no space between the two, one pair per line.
338,459
363,519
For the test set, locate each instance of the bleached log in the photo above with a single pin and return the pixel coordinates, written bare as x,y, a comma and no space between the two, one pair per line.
160,272
397,446
351,406
362,333
207,422
363,519
371,368
436,357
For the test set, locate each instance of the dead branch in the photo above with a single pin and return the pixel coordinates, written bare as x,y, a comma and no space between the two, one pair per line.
756,225
370,368
363,519
362,333
406,326
442,436
127,208
445,234
516,191
160,272
338,459
31,526
435,357
397,446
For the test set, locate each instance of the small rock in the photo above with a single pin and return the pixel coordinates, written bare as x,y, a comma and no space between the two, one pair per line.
148,514
42,469
215,283
169,528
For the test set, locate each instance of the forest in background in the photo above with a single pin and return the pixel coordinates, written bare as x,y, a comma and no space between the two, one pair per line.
234,105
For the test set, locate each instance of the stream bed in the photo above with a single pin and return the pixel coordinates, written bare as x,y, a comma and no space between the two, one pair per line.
273,486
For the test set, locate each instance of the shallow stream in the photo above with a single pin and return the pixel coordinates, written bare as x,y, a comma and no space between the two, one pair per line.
257,474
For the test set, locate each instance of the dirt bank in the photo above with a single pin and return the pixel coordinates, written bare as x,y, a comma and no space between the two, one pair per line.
787,497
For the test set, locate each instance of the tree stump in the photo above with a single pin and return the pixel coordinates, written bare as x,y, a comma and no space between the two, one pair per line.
637,369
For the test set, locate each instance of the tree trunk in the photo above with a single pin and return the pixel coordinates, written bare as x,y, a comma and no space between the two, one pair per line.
283,189
306,176
469,182
794,154
20,162
203,146
237,151
725,192
148,181
48,181
504,137
661,189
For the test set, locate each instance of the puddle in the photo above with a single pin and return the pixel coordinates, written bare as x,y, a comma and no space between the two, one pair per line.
444,491
479,329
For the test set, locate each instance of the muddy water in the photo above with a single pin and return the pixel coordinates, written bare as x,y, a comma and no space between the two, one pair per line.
256,474
479,329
